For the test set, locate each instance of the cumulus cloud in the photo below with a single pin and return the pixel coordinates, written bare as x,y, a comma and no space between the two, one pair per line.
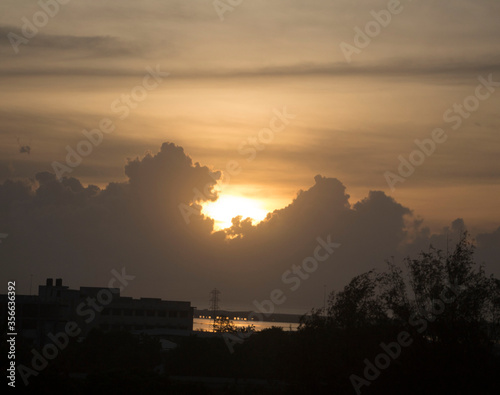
65,229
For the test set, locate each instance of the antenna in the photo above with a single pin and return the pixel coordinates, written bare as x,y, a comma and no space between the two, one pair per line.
31,282
214,305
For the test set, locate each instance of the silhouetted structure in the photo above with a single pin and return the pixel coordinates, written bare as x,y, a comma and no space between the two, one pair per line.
214,305
93,307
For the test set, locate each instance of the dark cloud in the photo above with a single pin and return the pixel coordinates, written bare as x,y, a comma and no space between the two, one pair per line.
445,69
70,45
18,168
24,149
64,229
488,250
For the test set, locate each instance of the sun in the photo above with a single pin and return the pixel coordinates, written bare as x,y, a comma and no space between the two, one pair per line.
229,206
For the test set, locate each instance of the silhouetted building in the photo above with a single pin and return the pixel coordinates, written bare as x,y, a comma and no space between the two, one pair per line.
93,307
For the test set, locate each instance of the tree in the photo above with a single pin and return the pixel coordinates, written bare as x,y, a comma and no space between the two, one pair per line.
224,325
451,292
358,304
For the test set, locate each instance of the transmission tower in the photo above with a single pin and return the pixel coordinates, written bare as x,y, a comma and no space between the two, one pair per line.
214,305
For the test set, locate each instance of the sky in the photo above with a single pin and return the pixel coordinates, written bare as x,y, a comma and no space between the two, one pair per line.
307,107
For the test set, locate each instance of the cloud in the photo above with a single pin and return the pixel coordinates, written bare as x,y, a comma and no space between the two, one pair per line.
224,77
64,229
488,250
23,149
88,46
445,69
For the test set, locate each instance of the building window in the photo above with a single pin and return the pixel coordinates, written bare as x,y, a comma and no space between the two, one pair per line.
127,312
116,311
139,313
162,313
172,314
150,313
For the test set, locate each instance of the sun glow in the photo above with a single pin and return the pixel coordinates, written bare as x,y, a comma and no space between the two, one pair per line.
228,206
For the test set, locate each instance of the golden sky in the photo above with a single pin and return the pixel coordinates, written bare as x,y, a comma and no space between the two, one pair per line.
227,77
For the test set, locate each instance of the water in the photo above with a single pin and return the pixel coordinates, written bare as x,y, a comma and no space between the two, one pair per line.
205,324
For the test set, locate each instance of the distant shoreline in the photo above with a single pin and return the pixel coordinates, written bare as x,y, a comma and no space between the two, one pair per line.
243,316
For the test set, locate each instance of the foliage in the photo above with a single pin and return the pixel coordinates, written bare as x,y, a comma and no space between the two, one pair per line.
358,304
225,325
451,292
